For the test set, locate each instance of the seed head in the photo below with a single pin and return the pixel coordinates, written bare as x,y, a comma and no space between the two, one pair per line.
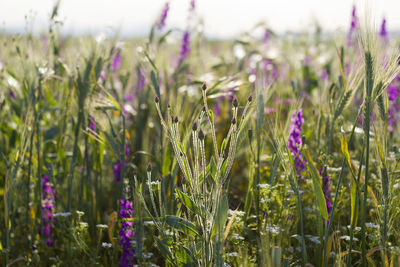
169,106
233,121
176,119
194,127
156,99
204,86
203,109
250,98
201,134
235,102
149,167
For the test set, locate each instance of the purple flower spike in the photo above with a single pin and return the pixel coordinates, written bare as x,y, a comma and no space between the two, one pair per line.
326,188
164,15
116,64
48,193
353,26
118,166
185,47
392,91
126,233
383,32
295,140
92,124
192,5
142,81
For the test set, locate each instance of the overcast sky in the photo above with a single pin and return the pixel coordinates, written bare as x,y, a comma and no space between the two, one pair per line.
222,18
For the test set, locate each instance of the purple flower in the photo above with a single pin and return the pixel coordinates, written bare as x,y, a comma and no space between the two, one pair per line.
163,18
326,188
266,36
192,5
118,166
295,140
126,233
11,94
116,64
142,80
353,26
185,47
383,32
324,75
92,123
48,193
392,92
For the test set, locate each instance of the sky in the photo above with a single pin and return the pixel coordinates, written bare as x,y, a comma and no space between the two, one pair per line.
222,18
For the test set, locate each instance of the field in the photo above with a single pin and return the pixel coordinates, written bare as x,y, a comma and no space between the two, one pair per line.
177,150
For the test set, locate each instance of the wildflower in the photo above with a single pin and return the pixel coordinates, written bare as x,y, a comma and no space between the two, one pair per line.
11,94
92,123
80,213
84,224
353,26
326,188
48,193
269,110
392,91
116,64
62,214
106,245
118,166
266,36
142,80
383,32
126,233
164,15
102,226
295,139
324,75
192,5
185,47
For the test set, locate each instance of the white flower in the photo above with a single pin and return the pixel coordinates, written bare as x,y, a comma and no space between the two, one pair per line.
106,245
62,214
80,213
102,226
83,224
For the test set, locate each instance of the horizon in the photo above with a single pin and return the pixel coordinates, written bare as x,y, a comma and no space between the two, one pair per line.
220,18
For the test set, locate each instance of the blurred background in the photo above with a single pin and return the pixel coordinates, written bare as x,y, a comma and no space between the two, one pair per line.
222,18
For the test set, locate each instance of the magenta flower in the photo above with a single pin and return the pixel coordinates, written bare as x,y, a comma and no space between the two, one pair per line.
326,188
394,107
192,5
353,26
118,166
116,64
163,18
185,47
383,32
126,233
295,140
48,193
92,123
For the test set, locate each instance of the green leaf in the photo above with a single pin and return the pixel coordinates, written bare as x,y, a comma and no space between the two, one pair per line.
185,257
221,216
188,202
354,200
182,225
164,250
319,194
